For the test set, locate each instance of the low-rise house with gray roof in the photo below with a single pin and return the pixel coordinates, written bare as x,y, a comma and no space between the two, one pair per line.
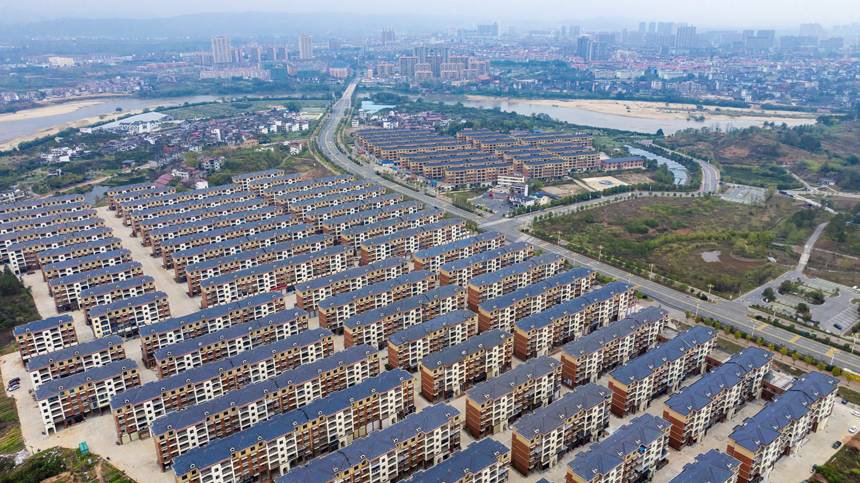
67,290
484,461
434,257
310,293
513,277
126,317
711,467
112,292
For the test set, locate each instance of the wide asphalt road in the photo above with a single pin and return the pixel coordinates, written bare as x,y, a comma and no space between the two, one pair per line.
726,312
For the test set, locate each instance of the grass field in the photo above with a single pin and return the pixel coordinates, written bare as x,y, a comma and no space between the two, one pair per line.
216,109
11,440
844,466
673,233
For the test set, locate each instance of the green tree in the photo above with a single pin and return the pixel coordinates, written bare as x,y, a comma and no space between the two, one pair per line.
687,314
769,294
808,360
821,366
836,372
759,341
770,347
737,335
783,351
795,356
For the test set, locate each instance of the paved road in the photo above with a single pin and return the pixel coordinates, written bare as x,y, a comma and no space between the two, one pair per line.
710,174
807,249
725,311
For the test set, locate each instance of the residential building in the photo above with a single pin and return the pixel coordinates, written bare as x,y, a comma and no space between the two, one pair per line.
461,271
541,333
417,442
310,293
126,317
434,257
76,359
222,52
179,432
45,336
503,312
245,180
716,397
287,441
481,462
410,241
498,402
85,263
632,453
113,292
230,341
712,467
451,371
281,275
541,439
587,358
135,409
783,426
177,329
660,371
407,347
65,402
335,310
513,277
306,48
67,290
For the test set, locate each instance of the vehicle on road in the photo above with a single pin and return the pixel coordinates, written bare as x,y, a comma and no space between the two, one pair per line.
837,444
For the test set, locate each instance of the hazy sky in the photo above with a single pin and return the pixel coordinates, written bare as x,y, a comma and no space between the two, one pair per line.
736,13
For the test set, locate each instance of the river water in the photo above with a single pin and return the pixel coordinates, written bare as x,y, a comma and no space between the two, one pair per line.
13,129
596,119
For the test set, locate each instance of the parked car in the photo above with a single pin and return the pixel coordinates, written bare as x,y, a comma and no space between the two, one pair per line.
12,387
844,401
838,326
814,467
837,444
852,429
14,380
855,413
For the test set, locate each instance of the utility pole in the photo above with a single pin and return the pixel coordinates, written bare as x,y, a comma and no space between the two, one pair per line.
599,252
697,308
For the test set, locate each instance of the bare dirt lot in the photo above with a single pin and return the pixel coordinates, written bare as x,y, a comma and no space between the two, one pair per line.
564,190
634,177
603,182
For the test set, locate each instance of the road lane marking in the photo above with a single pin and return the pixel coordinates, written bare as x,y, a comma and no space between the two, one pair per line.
794,339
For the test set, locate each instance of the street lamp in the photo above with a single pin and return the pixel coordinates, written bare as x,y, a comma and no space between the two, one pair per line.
710,286
599,252
697,309
651,271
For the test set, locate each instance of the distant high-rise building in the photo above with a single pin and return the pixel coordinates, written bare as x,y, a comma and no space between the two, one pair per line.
665,28
583,45
768,34
388,36
748,33
255,54
334,44
643,27
407,65
306,48
421,53
652,27
574,31
489,30
608,38
686,37
811,30
564,31
222,53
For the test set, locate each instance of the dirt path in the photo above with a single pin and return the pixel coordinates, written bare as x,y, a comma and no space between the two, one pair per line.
99,471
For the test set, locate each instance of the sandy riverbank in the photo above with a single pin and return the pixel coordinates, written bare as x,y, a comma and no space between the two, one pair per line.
50,110
12,143
657,110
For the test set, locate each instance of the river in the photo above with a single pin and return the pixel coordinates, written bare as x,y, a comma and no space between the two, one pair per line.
597,119
13,129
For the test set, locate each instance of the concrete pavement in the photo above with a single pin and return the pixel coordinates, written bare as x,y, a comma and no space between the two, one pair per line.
807,249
